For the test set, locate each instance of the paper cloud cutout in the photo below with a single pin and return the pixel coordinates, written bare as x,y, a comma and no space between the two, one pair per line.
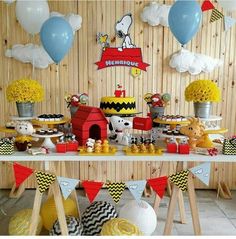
187,61
156,14
35,54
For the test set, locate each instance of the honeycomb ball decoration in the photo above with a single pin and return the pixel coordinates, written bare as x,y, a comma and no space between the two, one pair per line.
95,216
49,214
75,227
120,227
20,223
141,214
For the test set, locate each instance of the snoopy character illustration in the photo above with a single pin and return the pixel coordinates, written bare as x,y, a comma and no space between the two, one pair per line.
122,31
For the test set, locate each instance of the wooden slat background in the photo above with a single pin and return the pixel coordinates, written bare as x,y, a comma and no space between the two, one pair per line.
77,73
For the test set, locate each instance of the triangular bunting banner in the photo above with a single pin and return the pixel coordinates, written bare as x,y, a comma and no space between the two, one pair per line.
116,190
216,15
158,185
180,179
229,22
207,5
67,185
92,189
136,188
21,173
44,180
202,172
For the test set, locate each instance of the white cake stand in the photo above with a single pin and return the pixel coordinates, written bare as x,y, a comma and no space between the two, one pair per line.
17,118
47,139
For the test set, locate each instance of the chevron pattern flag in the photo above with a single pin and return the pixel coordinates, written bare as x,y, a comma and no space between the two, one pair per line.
92,189
116,190
44,180
158,185
21,173
136,188
67,185
180,179
216,15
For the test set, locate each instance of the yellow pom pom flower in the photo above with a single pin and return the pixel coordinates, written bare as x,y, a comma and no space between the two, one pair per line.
202,91
25,90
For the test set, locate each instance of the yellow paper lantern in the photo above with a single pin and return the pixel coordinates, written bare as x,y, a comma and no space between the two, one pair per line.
20,223
120,227
49,212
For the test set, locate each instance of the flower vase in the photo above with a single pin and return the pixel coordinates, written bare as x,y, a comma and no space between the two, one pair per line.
202,110
156,112
73,110
25,109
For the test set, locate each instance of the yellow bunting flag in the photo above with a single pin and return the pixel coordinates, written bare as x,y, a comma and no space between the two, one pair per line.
44,180
116,190
216,15
180,179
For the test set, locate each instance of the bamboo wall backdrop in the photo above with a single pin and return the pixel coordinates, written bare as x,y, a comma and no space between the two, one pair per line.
78,74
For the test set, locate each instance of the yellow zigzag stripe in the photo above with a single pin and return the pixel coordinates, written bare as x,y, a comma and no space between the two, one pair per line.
116,190
180,179
44,180
216,15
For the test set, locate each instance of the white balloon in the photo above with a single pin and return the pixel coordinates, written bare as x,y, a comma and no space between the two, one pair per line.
32,14
9,1
228,5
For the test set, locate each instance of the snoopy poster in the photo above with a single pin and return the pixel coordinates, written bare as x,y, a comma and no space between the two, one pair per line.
127,54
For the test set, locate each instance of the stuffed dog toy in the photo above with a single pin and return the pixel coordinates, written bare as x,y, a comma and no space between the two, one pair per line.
116,127
122,31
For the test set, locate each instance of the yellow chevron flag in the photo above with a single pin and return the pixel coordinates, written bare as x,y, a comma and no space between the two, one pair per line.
44,180
116,190
180,179
216,15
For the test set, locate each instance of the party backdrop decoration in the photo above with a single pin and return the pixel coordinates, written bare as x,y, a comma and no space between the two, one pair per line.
21,173
193,63
44,180
156,14
158,185
92,189
56,36
184,20
127,54
115,190
207,5
32,14
9,1
67,185
202,172
180,179
136,188
228,5
229,22
216,15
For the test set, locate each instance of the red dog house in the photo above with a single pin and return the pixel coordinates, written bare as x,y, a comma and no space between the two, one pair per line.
89,122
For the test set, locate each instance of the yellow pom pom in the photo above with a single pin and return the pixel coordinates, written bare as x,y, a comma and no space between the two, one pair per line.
20,223
49,213
120,227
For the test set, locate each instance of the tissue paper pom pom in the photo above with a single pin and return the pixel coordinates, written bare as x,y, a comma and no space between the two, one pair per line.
202,91
120,227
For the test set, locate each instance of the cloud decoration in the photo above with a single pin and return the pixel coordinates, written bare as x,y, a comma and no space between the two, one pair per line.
35,54
9,1
194,63
155,14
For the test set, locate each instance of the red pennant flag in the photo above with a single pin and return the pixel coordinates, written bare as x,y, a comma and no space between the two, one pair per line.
158,185
91,188
207,5
21,173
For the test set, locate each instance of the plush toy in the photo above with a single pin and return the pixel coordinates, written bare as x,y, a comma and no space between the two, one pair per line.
196,134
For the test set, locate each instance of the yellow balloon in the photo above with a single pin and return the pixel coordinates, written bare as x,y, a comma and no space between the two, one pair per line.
49,213
20,223
120,227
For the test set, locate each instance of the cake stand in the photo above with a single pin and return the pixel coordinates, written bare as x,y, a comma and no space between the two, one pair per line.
47,139
49,123
17,118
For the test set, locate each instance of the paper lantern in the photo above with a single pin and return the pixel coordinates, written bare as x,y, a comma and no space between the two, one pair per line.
20,223
141,214
120,227
49,212
75,227
95,216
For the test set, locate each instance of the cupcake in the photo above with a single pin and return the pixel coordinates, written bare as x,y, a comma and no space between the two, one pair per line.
50,131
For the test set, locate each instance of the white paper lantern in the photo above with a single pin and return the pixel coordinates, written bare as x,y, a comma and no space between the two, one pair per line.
141,214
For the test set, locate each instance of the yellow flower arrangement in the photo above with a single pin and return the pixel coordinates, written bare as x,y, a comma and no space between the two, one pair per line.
25,90
202,91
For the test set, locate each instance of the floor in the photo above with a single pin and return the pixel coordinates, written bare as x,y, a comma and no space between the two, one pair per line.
217,216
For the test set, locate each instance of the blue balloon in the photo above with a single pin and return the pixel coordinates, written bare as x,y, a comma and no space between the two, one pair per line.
184,20
56,36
